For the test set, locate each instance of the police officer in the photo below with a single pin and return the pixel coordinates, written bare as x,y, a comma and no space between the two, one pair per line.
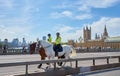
49,38
38,44
57,45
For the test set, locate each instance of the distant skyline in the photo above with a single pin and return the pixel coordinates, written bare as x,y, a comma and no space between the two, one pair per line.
31,19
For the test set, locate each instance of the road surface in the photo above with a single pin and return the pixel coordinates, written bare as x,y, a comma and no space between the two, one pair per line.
9,71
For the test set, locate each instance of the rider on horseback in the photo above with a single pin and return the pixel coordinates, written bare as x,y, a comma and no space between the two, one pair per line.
57,45
49,38
38,44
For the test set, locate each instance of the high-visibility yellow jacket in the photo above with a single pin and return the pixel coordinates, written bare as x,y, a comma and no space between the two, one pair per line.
50,39
58,40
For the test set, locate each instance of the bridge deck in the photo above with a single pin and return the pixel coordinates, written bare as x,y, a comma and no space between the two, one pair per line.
7,71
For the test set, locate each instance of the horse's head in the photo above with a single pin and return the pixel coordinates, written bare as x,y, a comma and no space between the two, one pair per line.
38,46
32,48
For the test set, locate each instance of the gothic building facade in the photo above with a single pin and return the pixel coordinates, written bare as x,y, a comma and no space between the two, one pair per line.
103,41
87,33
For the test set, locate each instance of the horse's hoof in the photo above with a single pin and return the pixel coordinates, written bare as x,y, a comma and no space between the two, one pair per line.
47,67
60,63
48,63
39,66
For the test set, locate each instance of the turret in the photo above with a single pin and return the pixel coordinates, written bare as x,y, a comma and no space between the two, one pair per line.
105,33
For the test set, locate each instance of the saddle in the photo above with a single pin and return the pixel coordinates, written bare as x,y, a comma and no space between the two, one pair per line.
58,48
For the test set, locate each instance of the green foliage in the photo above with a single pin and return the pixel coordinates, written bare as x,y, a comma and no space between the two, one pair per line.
65,43
2,44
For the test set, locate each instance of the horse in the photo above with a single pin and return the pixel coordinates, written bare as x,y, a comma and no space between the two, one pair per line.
41,51
46,50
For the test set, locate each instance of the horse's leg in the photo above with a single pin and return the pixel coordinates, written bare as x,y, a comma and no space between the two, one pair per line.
61,57
39,66
63,64
49,65
59,62
42,58
43,55
70,61
67,57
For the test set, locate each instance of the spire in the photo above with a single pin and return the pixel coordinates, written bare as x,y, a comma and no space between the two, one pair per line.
105,29
87,33
101,36
96,36
86,28
105,33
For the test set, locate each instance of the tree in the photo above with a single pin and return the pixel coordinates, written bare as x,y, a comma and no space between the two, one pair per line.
80,40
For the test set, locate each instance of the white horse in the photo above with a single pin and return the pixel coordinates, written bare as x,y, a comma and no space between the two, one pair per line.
50,53
67,50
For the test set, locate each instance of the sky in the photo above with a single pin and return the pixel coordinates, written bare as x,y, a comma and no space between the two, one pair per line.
34,19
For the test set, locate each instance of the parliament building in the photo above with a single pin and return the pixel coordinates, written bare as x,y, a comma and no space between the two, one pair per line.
103,41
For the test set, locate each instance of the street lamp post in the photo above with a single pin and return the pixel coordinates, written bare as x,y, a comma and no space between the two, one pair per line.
80,40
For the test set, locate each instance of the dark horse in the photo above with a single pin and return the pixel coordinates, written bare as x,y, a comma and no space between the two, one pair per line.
42,53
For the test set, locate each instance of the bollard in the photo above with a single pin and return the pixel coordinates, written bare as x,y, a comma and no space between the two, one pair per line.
54,66
119,59
107,60
76,63
26,70
93,62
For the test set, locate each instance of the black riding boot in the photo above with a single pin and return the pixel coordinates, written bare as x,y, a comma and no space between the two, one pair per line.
56,53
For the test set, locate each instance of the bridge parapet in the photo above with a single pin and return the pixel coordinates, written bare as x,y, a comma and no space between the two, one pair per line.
75,70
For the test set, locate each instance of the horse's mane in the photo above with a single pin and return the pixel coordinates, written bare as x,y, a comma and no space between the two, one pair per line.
32,46
33,43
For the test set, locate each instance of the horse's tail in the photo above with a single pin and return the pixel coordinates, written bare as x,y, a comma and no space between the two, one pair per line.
73,52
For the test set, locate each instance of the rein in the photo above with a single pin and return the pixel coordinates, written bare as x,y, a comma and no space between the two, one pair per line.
47,46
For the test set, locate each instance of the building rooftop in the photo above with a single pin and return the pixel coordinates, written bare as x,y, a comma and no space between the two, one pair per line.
113,39
95,40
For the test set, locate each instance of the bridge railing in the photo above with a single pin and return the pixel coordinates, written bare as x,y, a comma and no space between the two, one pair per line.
13,51
98,50
60,60
26,51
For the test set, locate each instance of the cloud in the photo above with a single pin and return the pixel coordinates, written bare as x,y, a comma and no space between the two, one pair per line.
87,5
81,9
84,8
18,22
63,29
15,19
68,32
11,32
83,16
61,14
56,15
6,4
71,15
67,13
112,25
